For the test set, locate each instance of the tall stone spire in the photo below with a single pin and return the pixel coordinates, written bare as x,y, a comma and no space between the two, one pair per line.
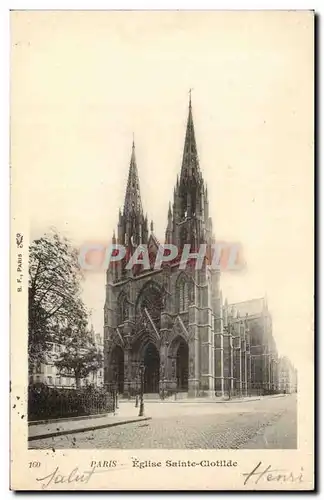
132,226
190,163
133,201
190,205
168,232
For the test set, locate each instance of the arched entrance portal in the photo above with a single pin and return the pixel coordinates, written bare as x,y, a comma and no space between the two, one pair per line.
117,365
182,366
152,369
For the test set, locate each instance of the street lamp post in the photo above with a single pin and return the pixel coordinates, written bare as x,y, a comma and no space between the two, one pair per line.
137,386
116,389
141,410
162,379
229,382
163,390
112,392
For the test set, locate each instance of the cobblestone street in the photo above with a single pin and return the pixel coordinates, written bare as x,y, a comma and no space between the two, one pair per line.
267,423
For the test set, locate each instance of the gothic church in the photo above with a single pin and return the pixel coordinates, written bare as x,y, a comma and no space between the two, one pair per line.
172,321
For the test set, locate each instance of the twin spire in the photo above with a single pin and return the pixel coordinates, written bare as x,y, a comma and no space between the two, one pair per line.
133,226
189,169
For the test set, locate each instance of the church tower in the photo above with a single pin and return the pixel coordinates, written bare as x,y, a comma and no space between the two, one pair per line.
191,223
132,225
196,290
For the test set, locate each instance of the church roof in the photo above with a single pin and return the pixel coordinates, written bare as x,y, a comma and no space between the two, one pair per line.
251,307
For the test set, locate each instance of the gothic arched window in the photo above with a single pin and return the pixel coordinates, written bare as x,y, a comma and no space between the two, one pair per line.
151,299
183,297
122,308
184,292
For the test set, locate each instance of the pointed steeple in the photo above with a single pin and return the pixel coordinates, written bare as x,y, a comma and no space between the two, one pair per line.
170,210
190,163
132,226
133,201
190,217
168,232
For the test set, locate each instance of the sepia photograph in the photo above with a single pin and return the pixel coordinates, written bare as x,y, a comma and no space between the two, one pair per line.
162,260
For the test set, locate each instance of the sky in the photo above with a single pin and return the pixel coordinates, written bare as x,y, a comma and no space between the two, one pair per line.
84,82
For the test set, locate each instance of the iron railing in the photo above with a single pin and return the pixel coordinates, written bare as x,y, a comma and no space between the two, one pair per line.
50,403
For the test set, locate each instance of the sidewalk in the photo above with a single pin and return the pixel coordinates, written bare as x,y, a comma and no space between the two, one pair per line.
214,399
204,400
126,415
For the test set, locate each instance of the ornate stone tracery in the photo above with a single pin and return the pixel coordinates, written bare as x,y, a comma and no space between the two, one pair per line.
184,292
123,305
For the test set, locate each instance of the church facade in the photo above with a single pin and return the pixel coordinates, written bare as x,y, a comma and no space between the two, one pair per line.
173,321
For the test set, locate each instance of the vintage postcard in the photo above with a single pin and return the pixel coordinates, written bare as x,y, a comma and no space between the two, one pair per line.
162,168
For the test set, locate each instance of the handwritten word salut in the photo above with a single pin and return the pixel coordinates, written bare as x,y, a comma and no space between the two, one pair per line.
219,256
269,474
76,476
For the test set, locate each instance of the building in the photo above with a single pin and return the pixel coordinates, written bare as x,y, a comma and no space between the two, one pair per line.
48,374
262,350
287,376
232,353
173,321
